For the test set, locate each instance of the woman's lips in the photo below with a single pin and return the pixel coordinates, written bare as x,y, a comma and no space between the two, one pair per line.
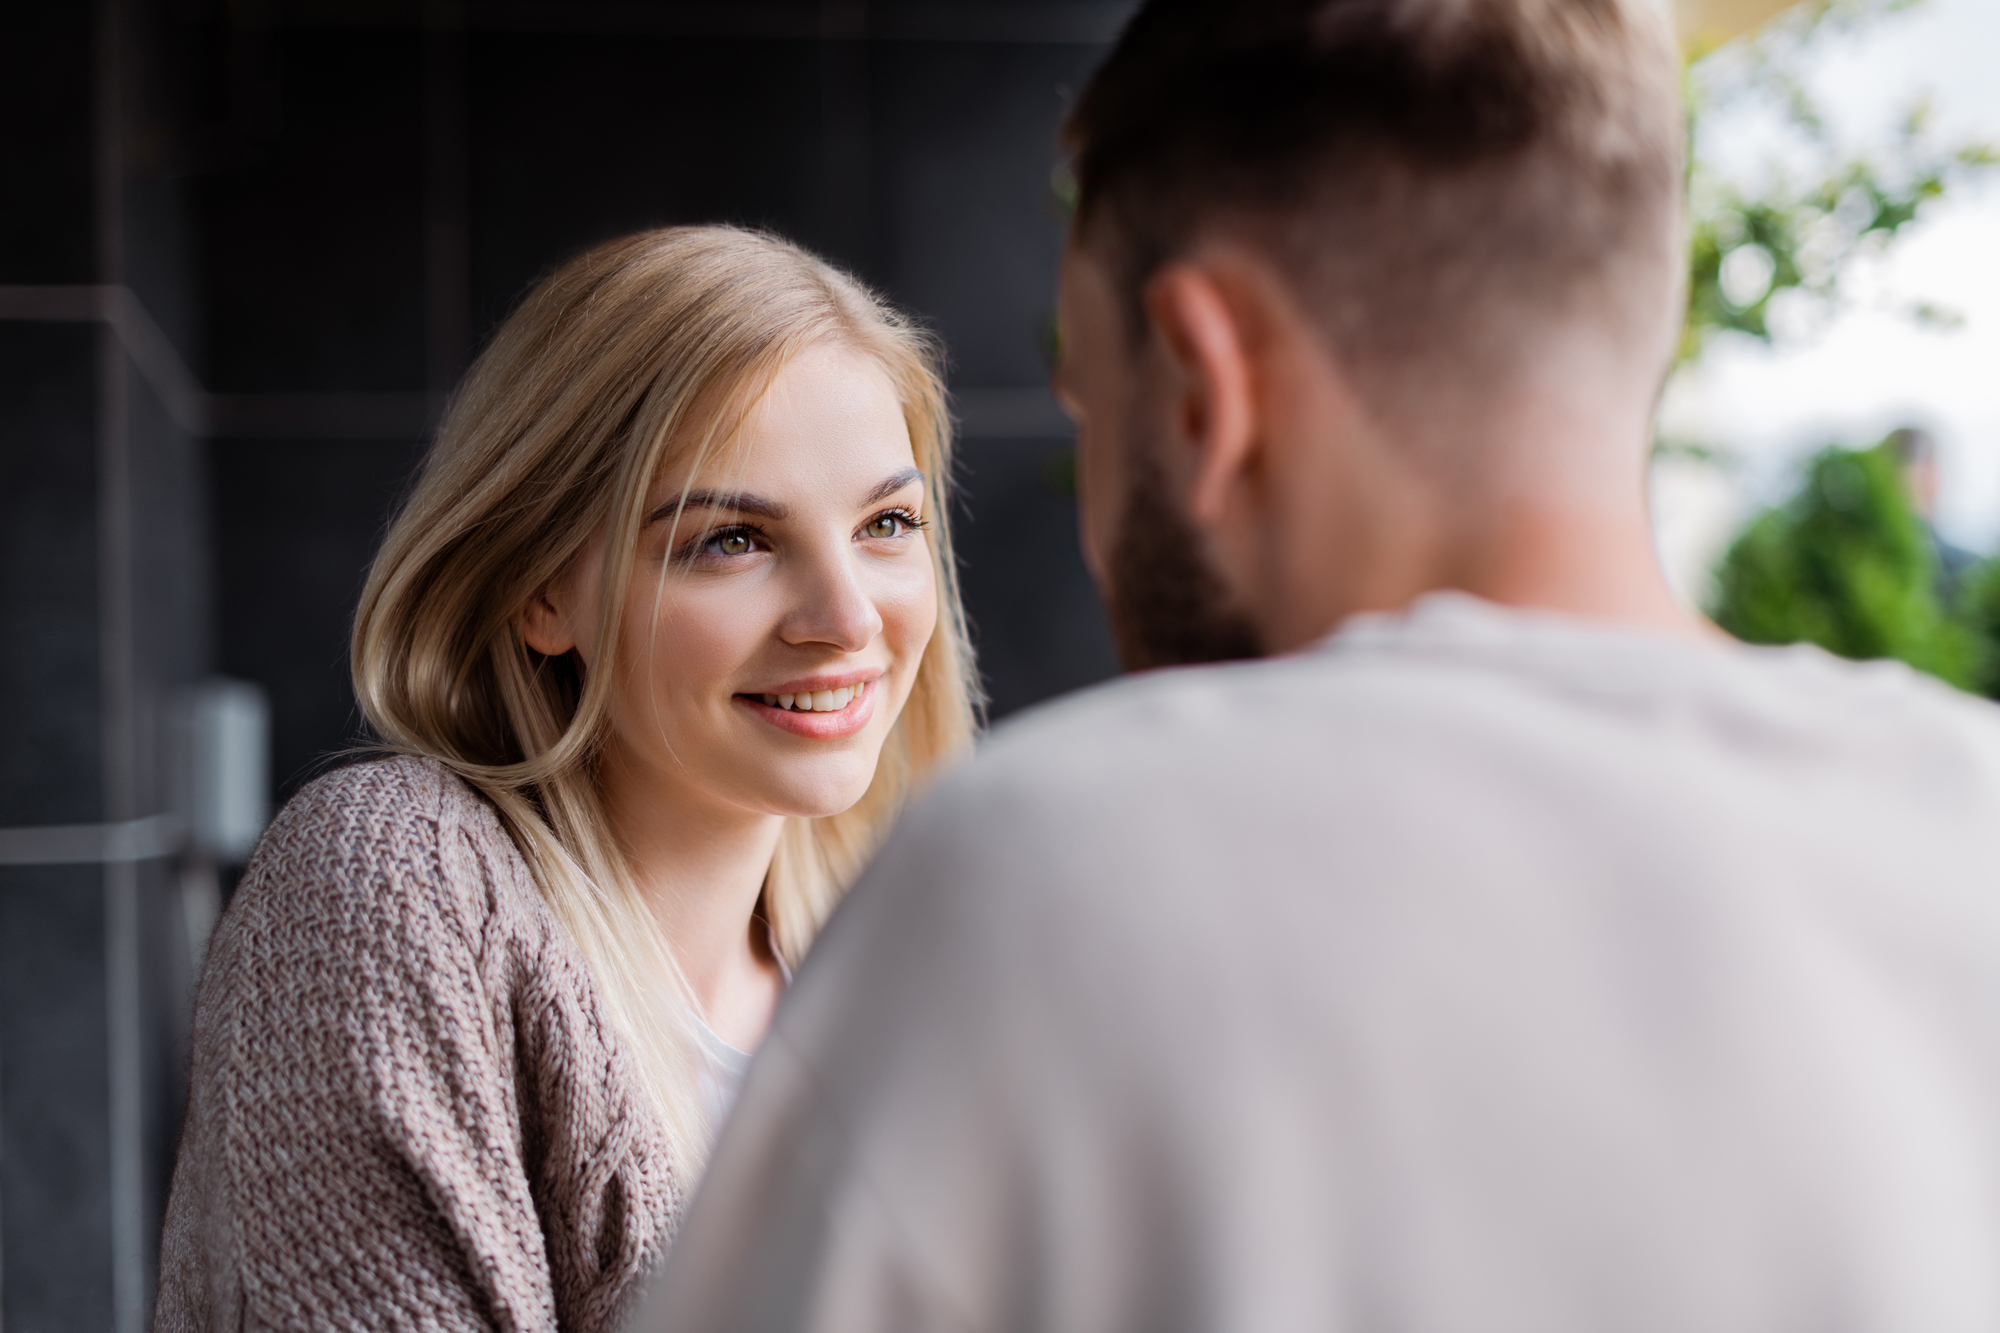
818,723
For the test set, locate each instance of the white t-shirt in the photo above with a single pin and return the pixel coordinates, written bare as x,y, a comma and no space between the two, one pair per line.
723,1067
1474,970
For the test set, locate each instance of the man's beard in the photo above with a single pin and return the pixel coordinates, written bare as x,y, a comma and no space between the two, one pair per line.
1168,606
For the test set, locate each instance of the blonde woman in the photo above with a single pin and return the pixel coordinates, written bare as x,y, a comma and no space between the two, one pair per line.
662,639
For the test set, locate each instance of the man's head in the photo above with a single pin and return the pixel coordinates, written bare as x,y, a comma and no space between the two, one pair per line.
1366,265
1916,450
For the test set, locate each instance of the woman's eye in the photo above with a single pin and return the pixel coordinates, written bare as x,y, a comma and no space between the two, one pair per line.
737,542
893,523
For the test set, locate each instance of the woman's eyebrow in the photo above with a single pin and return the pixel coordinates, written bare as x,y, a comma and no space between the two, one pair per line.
893,484
742,502
735,501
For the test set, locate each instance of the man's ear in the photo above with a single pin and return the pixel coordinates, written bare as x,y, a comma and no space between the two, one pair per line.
544,623
1214,399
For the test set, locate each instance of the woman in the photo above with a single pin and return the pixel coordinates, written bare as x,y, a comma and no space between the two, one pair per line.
661,640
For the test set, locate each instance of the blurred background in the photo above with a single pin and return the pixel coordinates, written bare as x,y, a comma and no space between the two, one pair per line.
1845,291
247,247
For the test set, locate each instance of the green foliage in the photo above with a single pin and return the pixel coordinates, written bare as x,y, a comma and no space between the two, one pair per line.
1978,607
1847,564
1823,205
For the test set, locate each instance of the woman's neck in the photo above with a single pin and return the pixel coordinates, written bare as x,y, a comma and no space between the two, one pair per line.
701,866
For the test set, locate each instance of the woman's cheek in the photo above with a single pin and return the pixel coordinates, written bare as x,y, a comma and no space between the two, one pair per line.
909,608
704,632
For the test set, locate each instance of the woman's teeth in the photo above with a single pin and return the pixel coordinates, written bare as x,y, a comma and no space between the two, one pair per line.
818,701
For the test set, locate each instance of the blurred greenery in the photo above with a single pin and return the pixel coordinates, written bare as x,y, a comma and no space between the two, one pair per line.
1820,205
1847,563
1978,606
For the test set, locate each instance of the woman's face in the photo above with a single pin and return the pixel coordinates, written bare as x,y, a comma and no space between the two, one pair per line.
771,637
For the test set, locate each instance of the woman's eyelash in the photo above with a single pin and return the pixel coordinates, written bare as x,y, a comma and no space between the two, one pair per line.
697,546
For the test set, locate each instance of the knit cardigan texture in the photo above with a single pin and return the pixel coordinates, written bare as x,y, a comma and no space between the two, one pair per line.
408,1109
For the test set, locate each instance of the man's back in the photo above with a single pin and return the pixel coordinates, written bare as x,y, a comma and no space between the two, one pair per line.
1475,970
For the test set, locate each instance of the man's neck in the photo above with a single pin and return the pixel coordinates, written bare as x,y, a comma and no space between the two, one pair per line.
1592,561
1534,498
1587,557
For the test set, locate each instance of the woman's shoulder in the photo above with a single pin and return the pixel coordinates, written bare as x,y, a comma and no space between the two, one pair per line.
400,842
399,807
378,801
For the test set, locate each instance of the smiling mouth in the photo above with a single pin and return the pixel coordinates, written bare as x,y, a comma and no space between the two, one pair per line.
816,701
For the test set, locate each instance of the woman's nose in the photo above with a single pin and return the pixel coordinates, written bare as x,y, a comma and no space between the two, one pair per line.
834,606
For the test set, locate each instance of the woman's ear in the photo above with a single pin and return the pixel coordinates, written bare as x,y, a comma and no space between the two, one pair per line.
544,623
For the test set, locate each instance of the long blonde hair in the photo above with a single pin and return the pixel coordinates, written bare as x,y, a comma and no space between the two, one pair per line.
639,352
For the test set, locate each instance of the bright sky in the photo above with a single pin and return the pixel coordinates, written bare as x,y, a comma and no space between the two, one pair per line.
1872,368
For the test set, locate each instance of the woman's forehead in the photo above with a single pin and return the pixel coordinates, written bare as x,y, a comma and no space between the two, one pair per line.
829,419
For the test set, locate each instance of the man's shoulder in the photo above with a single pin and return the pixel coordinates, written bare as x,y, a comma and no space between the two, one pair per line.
1174,707
1128,753
1405,710
1103,719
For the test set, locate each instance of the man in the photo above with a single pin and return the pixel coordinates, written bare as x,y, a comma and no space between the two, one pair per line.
1916,449
1504,950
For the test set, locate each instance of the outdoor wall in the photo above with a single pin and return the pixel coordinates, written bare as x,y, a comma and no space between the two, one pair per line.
105,582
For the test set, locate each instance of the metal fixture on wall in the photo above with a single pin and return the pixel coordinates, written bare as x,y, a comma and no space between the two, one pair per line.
227,729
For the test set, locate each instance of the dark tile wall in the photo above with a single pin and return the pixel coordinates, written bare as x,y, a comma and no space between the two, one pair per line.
46,193
50,764
300,520
55,1201
54,1205
55,1210
971,230
83,690
310,238
576,139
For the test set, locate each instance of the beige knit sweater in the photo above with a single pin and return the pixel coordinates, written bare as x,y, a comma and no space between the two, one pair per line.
408,1110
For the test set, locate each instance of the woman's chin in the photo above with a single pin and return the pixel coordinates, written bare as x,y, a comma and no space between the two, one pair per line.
817,795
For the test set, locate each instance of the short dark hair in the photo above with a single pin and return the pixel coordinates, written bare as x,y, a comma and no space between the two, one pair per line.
1437,175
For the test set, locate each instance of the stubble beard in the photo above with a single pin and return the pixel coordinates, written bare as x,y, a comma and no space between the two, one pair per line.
1166,603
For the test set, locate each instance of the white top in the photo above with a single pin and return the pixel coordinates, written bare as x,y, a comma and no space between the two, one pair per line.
724,1065
722,1072
1478,970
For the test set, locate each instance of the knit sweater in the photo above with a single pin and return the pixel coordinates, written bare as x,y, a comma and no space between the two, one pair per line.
408,1109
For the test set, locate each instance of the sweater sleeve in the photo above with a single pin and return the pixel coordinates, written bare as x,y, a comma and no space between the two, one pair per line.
352,1157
